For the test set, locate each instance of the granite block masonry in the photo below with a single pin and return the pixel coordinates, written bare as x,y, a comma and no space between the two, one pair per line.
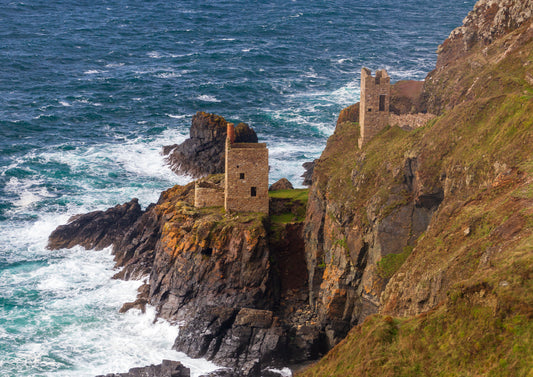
375,101
246,176
245,179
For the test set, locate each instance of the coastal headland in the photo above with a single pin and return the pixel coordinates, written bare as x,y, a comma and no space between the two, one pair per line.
409,255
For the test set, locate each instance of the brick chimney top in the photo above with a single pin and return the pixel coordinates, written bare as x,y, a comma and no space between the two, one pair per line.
231,132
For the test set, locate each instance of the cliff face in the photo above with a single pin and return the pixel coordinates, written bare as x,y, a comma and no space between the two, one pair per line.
236,282
488,21
432,229
363,208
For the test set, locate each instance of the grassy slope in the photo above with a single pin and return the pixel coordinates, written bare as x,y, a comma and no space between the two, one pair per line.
482,235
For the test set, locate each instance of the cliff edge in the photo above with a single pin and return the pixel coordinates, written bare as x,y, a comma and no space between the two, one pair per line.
424,239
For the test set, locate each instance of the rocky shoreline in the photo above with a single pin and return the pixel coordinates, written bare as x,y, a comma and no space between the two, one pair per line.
237,281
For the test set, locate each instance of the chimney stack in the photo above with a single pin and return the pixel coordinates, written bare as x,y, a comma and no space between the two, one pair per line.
231,133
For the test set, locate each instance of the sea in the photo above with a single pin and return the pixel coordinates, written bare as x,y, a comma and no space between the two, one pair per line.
90,92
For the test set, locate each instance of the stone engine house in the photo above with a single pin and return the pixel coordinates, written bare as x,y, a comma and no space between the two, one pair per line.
245,181
374,104
246,177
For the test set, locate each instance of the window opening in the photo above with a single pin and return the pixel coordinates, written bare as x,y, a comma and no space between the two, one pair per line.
241,176
382,103
253,191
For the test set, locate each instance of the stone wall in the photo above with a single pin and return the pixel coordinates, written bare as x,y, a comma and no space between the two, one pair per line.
208,197
374,105
410,121
246,187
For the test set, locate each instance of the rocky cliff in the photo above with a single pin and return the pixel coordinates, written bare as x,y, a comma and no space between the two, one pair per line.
236,282
432,229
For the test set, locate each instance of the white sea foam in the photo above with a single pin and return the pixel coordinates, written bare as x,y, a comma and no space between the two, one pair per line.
65,103
83,300
168,75
114,65
155,55
285,372
177,116
208,98
93,72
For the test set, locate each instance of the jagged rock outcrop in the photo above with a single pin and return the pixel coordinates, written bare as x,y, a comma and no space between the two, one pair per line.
203,153
167,368
282,184
98,229
488,21
308,173
491,32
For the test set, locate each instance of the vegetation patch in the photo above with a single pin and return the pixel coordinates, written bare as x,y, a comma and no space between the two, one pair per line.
389,264
293,194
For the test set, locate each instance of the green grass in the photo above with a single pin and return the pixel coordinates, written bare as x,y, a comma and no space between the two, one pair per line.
389,264
295,194
285,218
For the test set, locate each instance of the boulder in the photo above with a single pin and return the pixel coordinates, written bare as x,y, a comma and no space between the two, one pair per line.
282,184
167,368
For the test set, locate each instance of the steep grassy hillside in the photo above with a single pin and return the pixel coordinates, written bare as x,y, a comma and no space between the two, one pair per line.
455,297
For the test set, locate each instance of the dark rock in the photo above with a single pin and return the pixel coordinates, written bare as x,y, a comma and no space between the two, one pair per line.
308,174
282,184
245,134
98,229
203,152
226,372
240,273
167,368
140,302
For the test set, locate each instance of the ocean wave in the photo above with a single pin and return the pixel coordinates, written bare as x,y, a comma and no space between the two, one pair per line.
82,300
177,116
208,98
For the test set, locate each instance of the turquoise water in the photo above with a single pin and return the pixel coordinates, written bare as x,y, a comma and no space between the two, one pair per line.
91,91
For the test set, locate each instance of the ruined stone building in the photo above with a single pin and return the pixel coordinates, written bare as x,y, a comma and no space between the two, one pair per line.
246,178
374,104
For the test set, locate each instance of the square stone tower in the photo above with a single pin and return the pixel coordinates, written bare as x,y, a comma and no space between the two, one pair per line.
246,183
374,104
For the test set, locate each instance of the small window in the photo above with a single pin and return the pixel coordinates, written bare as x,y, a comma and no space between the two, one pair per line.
369,109
241,176
253,191
382,103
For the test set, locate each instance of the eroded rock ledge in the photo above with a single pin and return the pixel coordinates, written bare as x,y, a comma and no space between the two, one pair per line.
237,281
